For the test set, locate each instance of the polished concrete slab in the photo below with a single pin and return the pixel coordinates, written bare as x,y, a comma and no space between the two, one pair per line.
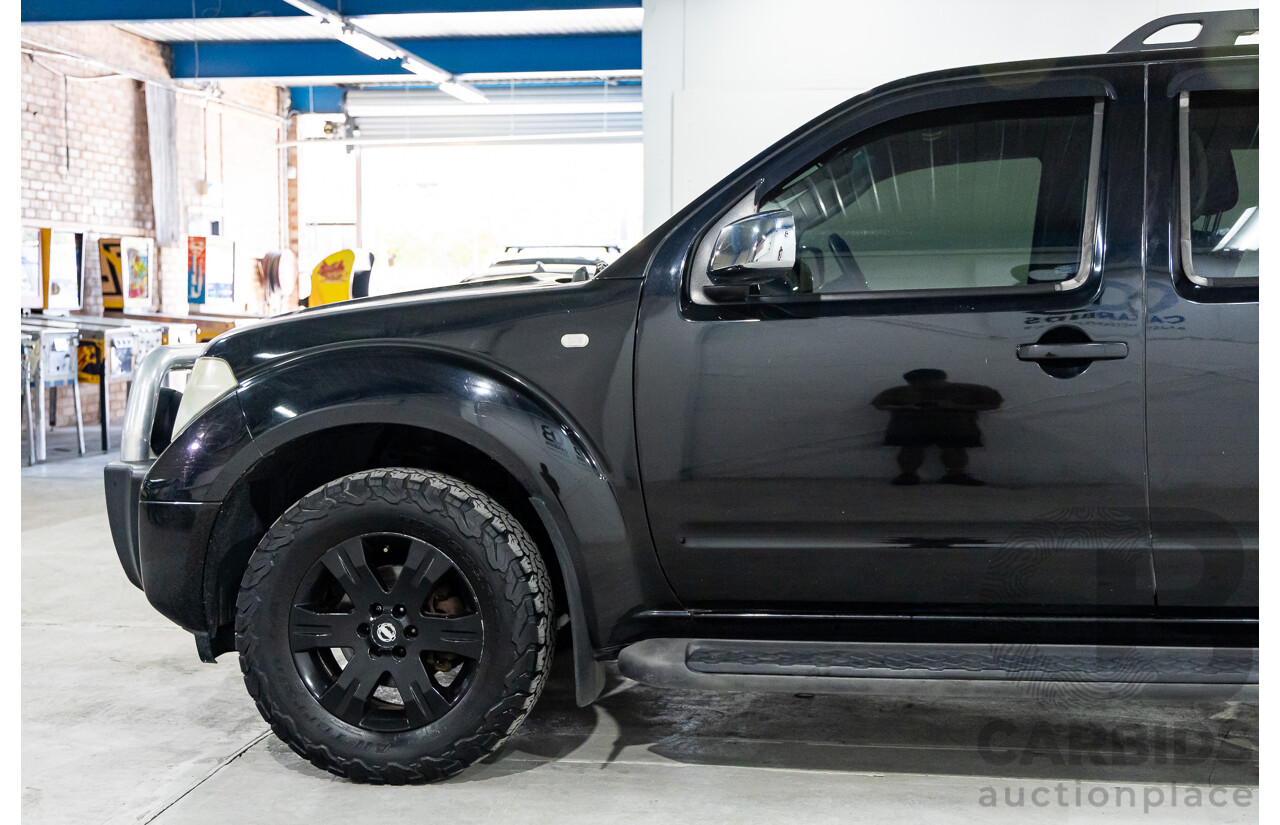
121,723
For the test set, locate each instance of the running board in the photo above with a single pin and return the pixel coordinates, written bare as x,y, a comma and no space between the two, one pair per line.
984,670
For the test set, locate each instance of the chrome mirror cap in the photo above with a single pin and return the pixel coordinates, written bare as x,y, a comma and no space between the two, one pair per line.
754,249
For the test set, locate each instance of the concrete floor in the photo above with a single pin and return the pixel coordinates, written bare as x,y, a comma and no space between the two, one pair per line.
122,723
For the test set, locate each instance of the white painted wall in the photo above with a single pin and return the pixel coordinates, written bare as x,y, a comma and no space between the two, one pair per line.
723,79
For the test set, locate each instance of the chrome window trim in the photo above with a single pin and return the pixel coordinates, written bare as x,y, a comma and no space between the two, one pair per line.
1091,227
135,439
1184,204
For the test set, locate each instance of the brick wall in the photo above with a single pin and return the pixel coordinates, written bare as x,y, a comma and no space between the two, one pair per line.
84,142
292,179
86,166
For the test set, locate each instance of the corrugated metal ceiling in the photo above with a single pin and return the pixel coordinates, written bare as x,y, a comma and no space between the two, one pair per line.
401,26
571,113
430,102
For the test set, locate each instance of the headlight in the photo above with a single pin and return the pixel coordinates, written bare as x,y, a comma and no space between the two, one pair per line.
210,380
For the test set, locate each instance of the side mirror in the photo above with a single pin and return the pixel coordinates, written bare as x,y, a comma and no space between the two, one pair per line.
754,249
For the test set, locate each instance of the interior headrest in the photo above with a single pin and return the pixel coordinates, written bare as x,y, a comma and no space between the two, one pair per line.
1214,188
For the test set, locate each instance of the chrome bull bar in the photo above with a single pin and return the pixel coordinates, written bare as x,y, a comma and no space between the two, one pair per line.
135,440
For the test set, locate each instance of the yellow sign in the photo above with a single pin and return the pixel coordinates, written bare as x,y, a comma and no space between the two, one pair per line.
331,279
109,264
91,362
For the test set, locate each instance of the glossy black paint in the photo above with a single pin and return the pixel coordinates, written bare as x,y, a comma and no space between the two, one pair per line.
488,369
1202,385
205,459
170,579
124,489
719,471
780,475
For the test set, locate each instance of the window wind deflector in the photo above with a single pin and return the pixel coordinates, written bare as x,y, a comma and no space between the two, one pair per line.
1219,78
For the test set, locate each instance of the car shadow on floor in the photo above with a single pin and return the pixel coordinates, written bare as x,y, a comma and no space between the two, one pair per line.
1065,737
1047,738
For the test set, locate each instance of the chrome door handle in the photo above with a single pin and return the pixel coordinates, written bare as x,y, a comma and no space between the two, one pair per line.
1091,351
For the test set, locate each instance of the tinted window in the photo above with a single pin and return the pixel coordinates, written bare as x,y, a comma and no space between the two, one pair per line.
964,198
1220,183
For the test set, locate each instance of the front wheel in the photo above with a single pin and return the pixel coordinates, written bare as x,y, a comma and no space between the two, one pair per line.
395,626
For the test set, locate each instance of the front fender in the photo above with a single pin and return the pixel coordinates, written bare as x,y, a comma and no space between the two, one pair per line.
610,570
414,384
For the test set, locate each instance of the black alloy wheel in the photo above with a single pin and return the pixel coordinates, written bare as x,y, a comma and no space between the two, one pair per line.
395,625
385,632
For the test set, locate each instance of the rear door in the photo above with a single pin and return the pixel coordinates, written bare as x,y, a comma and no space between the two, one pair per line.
1202,348
908,421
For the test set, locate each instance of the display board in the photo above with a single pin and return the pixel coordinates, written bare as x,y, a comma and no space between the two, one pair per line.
220,271
195,270
64,269
137,258
112,273
32,273
52,269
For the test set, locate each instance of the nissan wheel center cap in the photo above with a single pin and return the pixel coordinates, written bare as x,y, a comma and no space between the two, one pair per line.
385,633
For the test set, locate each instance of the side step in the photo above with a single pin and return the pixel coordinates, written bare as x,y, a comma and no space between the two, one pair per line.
873,668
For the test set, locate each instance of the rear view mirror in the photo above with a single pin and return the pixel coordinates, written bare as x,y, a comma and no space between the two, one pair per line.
754,249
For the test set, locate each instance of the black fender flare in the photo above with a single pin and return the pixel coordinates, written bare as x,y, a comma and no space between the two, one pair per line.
453,393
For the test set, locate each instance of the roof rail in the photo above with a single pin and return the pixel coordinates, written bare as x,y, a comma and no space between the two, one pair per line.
1217,28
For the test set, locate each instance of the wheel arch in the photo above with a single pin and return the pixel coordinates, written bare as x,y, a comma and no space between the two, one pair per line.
259,498
412,411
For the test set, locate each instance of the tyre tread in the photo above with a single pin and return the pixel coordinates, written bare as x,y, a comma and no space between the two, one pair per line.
509,552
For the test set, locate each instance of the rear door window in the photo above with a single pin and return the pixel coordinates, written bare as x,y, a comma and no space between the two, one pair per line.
1218,137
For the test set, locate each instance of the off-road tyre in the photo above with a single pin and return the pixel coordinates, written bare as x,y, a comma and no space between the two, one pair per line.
512,596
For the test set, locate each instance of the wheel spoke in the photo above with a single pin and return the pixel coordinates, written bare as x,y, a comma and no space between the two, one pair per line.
462,635
385,637
347,697
423,701
423,567
348,565
309,630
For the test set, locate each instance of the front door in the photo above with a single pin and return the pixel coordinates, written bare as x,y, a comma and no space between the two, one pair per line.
916,418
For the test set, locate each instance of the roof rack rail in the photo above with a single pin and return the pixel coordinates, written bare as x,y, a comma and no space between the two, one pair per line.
1217,28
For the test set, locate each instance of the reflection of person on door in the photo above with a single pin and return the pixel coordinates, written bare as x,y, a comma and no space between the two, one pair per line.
931,410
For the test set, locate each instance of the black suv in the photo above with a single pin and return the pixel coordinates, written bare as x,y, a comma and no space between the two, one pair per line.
954,389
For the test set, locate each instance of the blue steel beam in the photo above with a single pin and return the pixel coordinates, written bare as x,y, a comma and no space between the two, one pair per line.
149,11
316,99
331,58
328,99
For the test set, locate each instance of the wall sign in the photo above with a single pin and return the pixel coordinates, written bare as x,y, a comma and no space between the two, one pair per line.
64,269
137,257
331,279
220,271
195,270
32,272
112,273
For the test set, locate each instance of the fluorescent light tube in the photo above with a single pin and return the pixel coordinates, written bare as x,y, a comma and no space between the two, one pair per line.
367,43
422,68
463,92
